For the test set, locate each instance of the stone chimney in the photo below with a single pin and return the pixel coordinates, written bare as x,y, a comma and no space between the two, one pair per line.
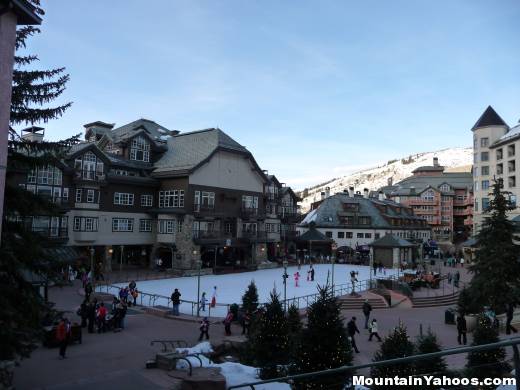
33,134
351,192
381,195
327,192
390,181
323,196
435,161
365,193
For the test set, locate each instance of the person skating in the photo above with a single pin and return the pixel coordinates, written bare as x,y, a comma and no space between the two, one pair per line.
373,330
509,317
63,335
203,301
214,297
296,278
227,323
461,329
204,328
352,329
312,273
367,308
176,301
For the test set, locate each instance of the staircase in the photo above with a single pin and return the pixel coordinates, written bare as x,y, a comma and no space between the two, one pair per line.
353,303
441,300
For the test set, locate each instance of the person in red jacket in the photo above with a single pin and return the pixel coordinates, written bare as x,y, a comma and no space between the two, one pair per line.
101,317
227,323
63,335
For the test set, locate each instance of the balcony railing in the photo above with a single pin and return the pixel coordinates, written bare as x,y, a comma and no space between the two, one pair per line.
254,235
422,202
89,175
201,208
249,211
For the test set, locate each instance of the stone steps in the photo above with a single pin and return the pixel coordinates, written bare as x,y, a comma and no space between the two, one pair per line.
442,300
351,303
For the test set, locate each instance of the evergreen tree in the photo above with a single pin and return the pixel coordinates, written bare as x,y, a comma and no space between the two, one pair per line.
269,339
496,270
23,252
324,344
486,364
250,298
436,366
294,320
395,345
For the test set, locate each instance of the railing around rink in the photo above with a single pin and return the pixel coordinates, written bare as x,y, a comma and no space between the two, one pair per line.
154,300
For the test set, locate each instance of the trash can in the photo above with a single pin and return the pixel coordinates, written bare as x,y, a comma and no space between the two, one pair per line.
449,316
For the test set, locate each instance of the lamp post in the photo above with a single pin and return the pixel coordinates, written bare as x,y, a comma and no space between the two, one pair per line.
121,259
333,247
92,251
285,276
199,264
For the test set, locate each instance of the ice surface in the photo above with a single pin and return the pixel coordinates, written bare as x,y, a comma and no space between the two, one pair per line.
231,287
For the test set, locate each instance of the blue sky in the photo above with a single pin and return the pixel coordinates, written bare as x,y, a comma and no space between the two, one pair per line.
313,89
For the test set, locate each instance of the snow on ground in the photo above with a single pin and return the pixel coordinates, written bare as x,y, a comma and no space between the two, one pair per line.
231,287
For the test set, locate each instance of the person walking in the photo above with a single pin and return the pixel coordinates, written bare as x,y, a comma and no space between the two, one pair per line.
91,315
373,330
214,297
176,301
101,318
204,329
296,278
88,290
203,301
352,329
374,265
63,335
83,313
509,317
367,308
227,323
312,273
461,329
246,323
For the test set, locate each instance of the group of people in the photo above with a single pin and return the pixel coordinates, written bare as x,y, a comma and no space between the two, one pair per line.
455,278
175,298
129,294
378,266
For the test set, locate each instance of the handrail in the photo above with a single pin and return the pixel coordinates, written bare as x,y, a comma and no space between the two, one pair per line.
451,351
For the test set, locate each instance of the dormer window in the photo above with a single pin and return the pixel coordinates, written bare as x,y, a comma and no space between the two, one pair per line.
140,149
89,165
445,187
428,196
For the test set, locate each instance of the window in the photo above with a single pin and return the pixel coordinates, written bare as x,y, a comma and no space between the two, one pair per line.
475,143
377,236
140,149
208,199
145,225
368,235
89,166
85,224
500,169
166,226
500,154
79,192
179,226
90,196
341,234
122,224
348,235
510,150
475,186
364,220
31,176
484,170
511,181
511,166
65,193
249,202
360,235
484,142
228,228
484,156
428,196
123,198
347,220
445,198
171,198
485,184
485,204
328,234
146,200
512,199
476,205
445,218
445,187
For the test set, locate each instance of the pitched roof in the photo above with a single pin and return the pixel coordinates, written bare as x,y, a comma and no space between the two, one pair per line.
390,241
155,131
489,118
417,184
313,235
187,150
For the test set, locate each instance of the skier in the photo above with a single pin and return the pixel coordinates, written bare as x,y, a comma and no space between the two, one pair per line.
214,297
373,330
296,278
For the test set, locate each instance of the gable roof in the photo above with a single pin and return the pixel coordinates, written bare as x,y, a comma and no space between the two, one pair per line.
186,151
155,131
489,118
417,184
314,235
390,241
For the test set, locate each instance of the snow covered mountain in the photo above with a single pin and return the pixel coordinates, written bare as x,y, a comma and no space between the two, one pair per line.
454,159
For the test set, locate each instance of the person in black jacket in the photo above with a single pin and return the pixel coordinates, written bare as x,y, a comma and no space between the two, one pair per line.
367,308
91,316
509,317
352,329
83,312
204,328
461,329
176,301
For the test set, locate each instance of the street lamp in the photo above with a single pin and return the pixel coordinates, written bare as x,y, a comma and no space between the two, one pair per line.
121,259
285,276
334,248
92,251
199,264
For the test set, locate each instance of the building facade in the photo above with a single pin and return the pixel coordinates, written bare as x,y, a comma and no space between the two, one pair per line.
355,219
496,154
140,192
443,199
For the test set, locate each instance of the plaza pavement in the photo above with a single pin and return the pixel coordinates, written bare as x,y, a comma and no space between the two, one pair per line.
117,360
